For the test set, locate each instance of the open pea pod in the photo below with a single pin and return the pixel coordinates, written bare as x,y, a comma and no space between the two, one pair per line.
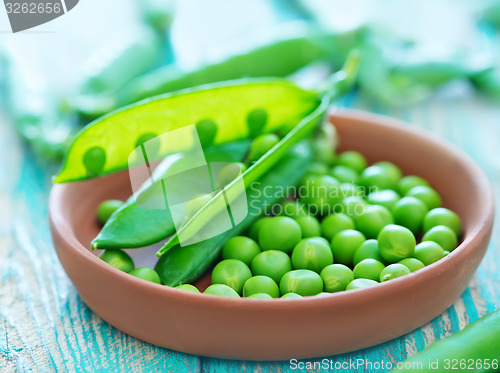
185,264
222,113
125,228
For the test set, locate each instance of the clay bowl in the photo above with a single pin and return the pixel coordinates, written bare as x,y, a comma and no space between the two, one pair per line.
256,329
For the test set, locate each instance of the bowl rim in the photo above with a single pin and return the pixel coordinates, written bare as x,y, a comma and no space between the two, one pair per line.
401,284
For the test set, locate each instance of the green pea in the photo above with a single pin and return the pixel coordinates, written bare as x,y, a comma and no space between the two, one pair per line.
391,169
443,236
336,277
372,220
313,254
317,168
334,223
322,193
393,271
271,263
353,206
367,250
309,226
260,296
146,273
360,283
261,145
118,259
379,177
350,189
293,209
323,152
345,244
153,148
428,252
231,272
386,198
240,248
395,243
291,296
256,121
344,174
409,182
412,264
442,216
254,230
279,233
301,281
352,159
94,160
427,195
261,284
187,287
410,212
222,290
230,172
368,268
106,209
207,130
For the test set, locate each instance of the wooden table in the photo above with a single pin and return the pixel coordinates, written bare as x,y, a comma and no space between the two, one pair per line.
45,326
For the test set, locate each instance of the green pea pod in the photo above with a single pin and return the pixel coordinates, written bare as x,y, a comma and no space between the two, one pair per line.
476,348
187,263
224,113
190,231
124,230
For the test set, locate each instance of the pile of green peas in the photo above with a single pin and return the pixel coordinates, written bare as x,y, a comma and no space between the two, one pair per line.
357,225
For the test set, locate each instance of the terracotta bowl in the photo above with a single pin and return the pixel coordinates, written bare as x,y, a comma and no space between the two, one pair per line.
256,329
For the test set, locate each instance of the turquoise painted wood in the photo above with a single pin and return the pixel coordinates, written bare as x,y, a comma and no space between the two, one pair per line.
45,326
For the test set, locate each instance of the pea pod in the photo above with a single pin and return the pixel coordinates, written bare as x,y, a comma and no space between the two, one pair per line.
185,264
124,229
476,348
224,112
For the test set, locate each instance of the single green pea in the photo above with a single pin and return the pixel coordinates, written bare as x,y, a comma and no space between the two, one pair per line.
187,287
334,223
144,138
367,250
118,259
386,198
317,168
207,130
379,177
301,281
428,252
309,226
391,169
410,212
412,264
293,209
231,272
427,195
312,253
344,174
240,248
395,243
321,193
442,216
146,273
344,245
94,160
360,283
222,290
261,284
256,121
260,296
323,152
409,182
443,236
254,230
106,209
368,268
350,189
291,296
353,206
393,271
372,220
271,263
261,145
336,277
352,159
230,172
279,233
